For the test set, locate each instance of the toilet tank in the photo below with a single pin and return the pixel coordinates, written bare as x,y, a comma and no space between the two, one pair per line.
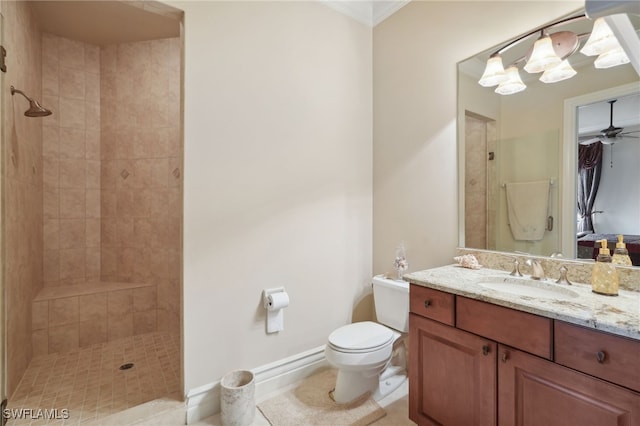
391,300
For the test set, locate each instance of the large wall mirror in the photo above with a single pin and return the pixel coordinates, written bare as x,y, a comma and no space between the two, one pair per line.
518,153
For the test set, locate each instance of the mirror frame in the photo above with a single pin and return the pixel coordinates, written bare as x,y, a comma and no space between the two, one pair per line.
568,188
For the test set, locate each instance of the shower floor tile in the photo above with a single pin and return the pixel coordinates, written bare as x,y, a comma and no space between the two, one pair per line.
85,385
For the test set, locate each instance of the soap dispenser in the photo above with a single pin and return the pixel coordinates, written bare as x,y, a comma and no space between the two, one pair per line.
604,277
620,253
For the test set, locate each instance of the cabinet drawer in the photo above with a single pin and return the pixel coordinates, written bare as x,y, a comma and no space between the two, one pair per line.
434,304
521,330
604,355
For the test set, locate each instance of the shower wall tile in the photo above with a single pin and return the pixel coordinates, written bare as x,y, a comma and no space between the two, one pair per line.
72,265
144,322
50,172
92,144
63,311
71,53
92,115
72,113
141,153
144,299
51,203
72,83
92,59
51,234
72,203
71,76
23,207
92,203
92,177
40,342
72,143
120,302
92,332
50,84
40,315
92,233
63,338
51,267
93,307
72,233
50,142
72,173
119,326
92,260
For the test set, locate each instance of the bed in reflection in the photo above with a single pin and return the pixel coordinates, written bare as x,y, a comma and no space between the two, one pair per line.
588,245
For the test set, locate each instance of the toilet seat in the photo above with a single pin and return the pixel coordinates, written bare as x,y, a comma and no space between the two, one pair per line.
361,337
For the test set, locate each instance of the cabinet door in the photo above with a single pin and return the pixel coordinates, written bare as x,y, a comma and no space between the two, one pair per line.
452,378
533,391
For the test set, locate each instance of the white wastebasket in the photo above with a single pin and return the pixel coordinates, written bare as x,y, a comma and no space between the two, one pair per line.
237,400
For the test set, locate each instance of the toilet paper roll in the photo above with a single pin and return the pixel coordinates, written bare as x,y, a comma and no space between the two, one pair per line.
277,301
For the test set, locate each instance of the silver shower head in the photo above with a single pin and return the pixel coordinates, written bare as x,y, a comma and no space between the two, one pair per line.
35,109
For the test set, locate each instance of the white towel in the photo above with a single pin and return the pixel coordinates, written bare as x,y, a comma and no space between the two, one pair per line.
527,206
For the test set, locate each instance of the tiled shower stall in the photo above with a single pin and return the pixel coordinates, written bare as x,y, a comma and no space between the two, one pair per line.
93,202
111,192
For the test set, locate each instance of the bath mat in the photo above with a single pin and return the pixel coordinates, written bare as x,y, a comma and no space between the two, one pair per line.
310,404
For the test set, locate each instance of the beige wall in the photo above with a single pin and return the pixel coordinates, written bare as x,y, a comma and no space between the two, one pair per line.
416,52
71,161
22,157
277,178
142,171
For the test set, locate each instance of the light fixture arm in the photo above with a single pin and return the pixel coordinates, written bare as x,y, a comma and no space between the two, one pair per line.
540,29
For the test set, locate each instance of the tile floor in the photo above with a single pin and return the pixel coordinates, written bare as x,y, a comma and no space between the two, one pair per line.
172,413
396,405
89,384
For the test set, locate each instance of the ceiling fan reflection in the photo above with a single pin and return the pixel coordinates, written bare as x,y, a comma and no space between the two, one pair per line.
610,135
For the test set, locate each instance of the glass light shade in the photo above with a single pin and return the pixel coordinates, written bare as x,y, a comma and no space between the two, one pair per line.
611,58
513,84
543,56
493,73
601,39
558,73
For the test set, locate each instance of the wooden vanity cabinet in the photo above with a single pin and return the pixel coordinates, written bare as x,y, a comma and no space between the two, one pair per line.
475,363
452,375
533,391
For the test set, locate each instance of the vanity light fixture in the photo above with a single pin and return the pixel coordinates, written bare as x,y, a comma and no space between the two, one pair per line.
494,73
550,53
543,57
513,84
558,73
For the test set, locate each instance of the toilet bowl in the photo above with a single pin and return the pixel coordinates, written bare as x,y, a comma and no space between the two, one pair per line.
370,357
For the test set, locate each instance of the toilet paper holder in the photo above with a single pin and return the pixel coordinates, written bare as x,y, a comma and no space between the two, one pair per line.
275,300
270,291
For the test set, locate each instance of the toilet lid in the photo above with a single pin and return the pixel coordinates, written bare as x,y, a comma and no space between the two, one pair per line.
360,336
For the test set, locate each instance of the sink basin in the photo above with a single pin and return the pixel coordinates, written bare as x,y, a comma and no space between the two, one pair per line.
528,287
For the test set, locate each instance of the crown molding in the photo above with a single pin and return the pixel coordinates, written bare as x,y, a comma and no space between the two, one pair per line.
368,12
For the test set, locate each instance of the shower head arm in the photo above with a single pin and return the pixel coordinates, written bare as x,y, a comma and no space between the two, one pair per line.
14,91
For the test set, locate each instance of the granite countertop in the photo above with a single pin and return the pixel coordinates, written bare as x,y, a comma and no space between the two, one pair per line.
615,314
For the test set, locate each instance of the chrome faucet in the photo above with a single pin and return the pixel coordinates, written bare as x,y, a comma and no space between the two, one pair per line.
537,272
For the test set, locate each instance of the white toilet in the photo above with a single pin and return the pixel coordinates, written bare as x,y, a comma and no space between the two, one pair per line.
369,356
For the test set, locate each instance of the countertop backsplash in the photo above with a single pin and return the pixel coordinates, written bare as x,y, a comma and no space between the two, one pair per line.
579,271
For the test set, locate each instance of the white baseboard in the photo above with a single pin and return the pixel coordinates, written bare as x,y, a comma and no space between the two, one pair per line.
204,401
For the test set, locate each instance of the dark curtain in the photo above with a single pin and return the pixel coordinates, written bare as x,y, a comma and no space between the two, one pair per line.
589,171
